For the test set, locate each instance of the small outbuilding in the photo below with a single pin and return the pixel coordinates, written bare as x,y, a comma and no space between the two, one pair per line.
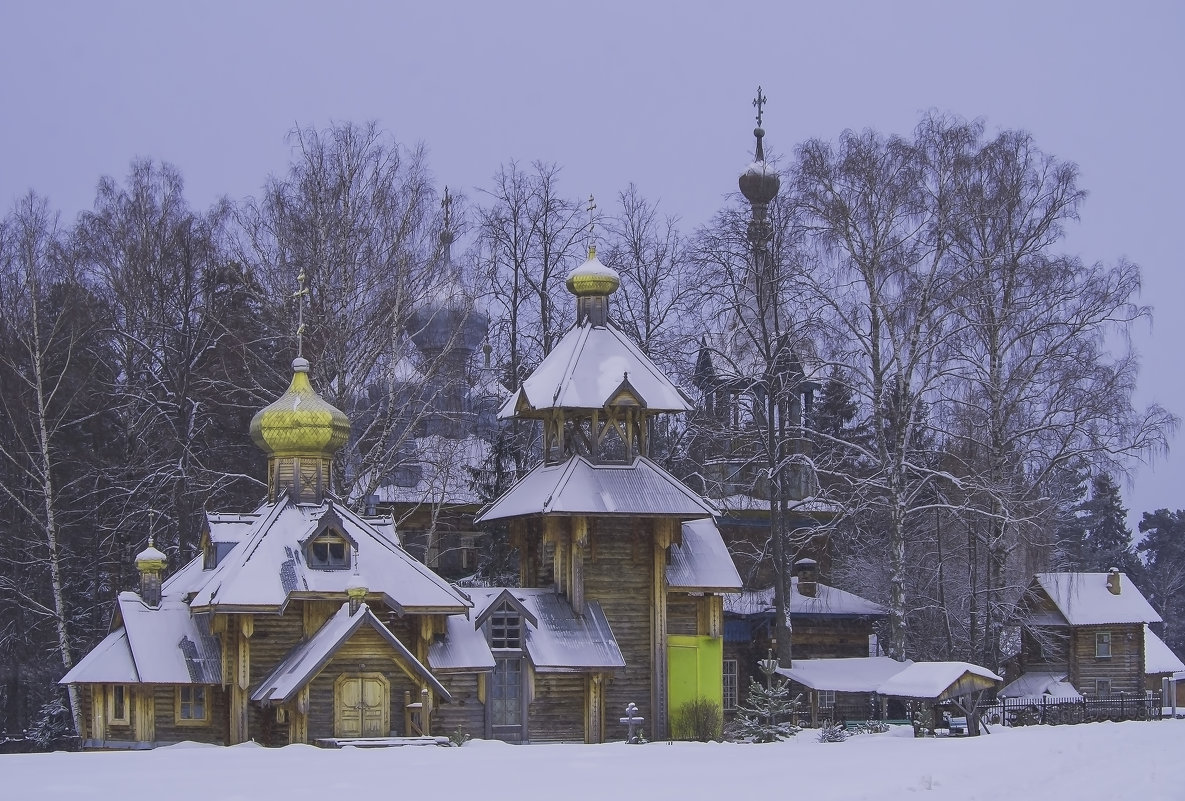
961,684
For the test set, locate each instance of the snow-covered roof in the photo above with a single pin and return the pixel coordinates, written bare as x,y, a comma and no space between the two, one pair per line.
155,645
269,567
577,486
751,503
827,601
584,370
1040,686
306,660
1158,657
446,468
109,662
1082,599
562,640
461,648
860,674
702,561
937,680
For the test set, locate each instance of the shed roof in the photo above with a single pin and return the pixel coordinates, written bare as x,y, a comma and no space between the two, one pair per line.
862,674
702,562
1158,657
1082,599
938,680
826,602
1040,686
561,642
578,487
586,367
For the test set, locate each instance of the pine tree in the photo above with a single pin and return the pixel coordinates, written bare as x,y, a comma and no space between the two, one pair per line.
765,716
1108,541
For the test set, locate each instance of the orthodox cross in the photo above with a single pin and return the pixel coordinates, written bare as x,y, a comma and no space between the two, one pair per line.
301,296
758,103
592,242
446,203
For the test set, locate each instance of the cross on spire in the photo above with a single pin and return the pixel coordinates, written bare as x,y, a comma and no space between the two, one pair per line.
592,241
300,295
759,102
446,203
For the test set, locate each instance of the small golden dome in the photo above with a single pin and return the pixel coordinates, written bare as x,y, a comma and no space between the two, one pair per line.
593,278
151,559
300,422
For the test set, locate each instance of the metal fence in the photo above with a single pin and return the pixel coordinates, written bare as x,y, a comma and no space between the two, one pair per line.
1058,711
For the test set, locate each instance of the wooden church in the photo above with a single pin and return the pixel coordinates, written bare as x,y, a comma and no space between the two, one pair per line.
304,622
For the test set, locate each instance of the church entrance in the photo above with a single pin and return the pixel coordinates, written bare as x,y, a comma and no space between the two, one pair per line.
506,699
361,705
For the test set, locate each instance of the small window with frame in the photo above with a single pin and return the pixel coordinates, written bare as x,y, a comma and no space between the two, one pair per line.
506,629
1102,688
730,684
192,705
329,551
118,704
1102,645
826,699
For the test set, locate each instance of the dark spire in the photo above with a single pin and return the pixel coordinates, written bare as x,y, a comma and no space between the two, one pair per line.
759,183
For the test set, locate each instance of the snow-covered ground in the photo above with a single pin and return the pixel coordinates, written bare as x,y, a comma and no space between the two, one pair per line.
1112,761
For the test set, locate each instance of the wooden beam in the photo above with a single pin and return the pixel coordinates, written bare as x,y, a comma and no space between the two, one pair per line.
145,720
658,628
594,709
579,546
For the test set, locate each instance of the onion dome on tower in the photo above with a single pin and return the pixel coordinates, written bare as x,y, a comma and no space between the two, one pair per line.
759,182
592,283
300,432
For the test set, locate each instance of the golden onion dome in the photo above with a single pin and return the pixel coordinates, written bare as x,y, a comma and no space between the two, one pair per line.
300,422
151,559
593,278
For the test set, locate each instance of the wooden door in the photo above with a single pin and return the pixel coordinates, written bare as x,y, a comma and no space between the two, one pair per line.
362,705
506,707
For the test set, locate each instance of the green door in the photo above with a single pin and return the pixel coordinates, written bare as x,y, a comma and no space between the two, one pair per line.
695,671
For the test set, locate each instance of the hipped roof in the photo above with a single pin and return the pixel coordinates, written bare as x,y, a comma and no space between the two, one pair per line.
585,369
579,487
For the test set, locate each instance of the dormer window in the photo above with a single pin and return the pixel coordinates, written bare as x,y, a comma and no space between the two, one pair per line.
329,551
506,627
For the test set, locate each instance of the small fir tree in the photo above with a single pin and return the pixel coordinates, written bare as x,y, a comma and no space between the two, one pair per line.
766,714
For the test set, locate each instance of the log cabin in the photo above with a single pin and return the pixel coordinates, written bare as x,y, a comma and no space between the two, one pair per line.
1086,629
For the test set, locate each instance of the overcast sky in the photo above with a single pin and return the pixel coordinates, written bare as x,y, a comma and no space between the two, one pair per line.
655,93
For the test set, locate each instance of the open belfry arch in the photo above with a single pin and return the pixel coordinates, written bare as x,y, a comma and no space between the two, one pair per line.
599,522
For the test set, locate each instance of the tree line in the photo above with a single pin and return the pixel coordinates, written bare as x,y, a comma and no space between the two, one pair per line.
973,382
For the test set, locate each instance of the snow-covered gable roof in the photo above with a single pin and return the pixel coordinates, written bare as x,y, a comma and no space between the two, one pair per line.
1040,686
561,642
305,661
702,562
461,648
445,472
826,602
578,487
1082,599
585,369
861,674
937,680
155,645
109,662
1158,657
269,567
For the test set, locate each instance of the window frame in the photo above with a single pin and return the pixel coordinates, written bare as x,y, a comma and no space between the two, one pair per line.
1102,645
730,678
826,698
1099,691
506,629
328,538
125,691
180,703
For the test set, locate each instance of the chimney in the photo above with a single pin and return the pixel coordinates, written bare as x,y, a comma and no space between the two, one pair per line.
807,571
356,587
151,563
1113,581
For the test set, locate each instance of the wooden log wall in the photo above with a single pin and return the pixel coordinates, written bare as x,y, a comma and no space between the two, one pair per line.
683,614
466,711
557,712
1124,668
214,730
618,570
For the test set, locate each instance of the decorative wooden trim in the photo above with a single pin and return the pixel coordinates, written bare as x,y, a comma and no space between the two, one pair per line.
594,709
